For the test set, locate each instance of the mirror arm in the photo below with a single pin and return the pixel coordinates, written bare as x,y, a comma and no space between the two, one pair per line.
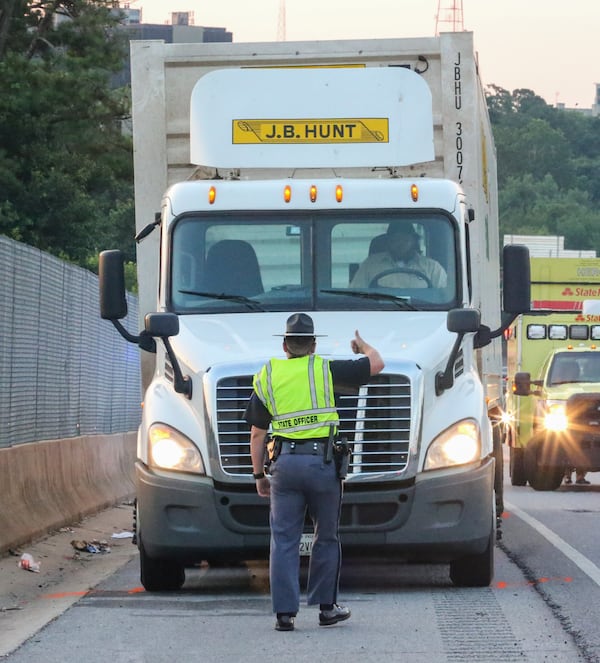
181,383
144,341
445,380
485,335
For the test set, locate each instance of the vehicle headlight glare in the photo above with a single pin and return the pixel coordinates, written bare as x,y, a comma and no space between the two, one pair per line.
171,450
555,418
458,445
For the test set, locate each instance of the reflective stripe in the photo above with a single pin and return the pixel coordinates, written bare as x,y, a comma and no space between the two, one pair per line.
299,397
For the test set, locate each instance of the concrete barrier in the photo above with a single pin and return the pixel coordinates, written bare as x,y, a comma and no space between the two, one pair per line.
50,484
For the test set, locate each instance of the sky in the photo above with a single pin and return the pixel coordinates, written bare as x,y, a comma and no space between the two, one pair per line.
549,46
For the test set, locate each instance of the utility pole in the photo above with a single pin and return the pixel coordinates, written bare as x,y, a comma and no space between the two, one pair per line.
449,17
281,21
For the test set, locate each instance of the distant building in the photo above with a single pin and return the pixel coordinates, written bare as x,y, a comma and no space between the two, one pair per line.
181,30
547,246
594,111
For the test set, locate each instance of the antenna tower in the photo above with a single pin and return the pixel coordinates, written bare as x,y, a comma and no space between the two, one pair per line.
281,21
449,17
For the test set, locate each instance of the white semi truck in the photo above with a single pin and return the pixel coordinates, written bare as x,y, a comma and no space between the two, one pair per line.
284,166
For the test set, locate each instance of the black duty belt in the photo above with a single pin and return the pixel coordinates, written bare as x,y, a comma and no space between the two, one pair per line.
307,447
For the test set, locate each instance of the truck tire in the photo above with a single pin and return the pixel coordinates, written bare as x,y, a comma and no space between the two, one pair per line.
518,475
475,570
498,471
159,575
541,477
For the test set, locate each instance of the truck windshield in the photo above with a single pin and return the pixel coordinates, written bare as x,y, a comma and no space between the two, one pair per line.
359,260
568,367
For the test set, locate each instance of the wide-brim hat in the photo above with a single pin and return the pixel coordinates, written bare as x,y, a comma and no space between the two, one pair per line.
299,324
401,228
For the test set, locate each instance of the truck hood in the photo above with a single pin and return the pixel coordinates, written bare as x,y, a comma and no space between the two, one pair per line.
211,340
565,391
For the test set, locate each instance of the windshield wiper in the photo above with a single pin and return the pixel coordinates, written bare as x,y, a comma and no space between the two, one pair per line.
401,302
252,304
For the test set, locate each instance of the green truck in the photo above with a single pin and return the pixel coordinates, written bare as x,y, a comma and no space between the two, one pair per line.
553,416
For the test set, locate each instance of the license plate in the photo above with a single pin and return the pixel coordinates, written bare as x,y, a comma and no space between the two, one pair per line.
306,544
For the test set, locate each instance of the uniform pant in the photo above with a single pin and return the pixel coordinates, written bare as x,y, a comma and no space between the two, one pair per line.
299,481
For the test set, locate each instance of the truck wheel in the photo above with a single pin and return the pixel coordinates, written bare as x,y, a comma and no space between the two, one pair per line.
518,475
474,570
541,477
159,575
546,478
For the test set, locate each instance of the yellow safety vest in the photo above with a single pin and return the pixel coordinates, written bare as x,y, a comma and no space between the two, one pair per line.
298,393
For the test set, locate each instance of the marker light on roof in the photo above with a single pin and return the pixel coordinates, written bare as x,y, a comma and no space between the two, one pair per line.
313,193
212,194
414,192
287,193
339,193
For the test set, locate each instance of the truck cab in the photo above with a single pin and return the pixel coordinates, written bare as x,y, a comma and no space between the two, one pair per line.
298,184
566,415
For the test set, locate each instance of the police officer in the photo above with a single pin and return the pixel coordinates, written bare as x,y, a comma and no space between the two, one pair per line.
295,397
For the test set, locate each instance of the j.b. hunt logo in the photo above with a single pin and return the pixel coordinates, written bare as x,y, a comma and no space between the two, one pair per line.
338,130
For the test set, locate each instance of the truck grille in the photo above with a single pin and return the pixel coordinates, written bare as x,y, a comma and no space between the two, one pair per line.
375,420
583,411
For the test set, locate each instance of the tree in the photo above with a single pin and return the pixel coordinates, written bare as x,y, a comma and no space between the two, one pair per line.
548,168
66,173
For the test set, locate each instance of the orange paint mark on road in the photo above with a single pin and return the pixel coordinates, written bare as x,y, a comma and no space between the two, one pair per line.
64,595
501,584
136,590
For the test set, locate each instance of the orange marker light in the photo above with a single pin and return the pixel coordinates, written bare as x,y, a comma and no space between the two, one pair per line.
313,193
287,193
414,192
339,193
212,194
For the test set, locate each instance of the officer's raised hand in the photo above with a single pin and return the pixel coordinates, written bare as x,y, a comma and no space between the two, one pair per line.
361,347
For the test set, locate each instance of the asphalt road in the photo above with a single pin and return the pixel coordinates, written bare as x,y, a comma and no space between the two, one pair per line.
540,607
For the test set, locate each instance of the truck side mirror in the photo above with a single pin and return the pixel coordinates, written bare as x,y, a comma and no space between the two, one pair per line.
162,325
522,384
463,320
111,273
516,279
113,302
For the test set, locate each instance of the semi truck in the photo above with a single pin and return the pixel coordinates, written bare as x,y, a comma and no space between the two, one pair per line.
298,159
554,375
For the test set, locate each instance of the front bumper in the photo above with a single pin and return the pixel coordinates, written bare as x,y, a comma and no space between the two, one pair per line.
437,518
578,448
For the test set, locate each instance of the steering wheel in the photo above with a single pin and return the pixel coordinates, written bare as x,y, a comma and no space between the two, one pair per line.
400,270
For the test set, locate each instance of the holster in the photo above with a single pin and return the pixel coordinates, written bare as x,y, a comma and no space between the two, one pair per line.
341,456
273,449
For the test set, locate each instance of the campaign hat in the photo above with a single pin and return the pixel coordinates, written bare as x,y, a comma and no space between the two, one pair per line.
299,324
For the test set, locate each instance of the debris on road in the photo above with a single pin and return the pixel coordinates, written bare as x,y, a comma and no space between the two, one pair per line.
91,546
27,563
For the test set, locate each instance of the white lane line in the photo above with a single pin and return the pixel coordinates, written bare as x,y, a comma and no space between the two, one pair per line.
588,567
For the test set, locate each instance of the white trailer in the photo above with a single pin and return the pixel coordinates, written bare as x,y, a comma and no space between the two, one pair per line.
300,157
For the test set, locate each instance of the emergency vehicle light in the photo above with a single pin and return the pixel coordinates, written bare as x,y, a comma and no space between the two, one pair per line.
557,332
212,194
313,193
287,193
339,193
414,192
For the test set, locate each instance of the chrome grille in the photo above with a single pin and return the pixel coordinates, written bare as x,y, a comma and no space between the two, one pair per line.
375,419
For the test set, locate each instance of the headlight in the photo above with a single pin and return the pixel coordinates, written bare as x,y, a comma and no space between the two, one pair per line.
171,450
555,416
457,445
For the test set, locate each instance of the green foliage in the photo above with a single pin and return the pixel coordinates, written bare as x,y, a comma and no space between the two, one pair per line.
548,168
66,167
